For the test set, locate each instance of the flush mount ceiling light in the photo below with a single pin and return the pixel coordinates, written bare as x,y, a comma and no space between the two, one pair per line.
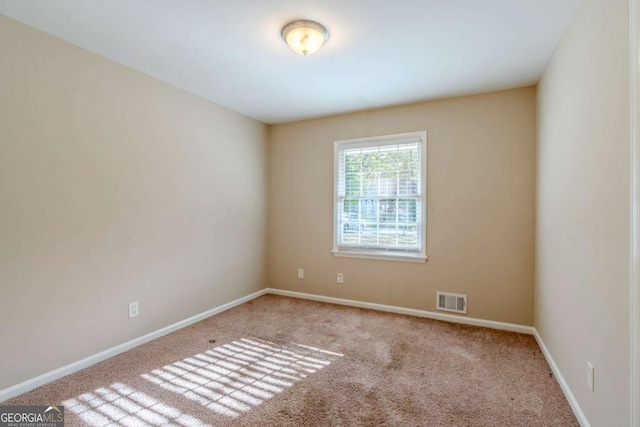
305,37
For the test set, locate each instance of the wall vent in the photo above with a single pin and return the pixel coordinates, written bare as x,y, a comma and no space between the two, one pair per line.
451,302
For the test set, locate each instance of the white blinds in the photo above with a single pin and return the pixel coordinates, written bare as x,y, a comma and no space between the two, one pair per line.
379,195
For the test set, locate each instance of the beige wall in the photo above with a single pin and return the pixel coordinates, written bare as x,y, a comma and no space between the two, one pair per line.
480,226
115,187
582,269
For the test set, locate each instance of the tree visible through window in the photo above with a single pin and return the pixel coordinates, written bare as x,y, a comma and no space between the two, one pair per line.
380,195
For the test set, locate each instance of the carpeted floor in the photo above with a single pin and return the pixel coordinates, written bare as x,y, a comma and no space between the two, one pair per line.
278,361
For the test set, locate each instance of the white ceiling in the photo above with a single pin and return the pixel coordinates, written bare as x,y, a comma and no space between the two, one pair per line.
380,52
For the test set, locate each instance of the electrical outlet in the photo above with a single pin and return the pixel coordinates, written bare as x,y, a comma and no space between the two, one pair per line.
301,273
340,278
133,309
590,376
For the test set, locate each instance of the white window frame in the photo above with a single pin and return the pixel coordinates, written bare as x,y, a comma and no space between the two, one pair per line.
408,256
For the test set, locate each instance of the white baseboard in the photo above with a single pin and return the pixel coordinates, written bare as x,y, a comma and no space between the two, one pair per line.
409,311
50,376
582,419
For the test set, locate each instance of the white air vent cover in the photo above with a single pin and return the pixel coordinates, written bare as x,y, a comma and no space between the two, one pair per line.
451,302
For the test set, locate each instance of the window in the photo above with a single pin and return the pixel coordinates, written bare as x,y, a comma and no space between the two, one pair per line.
380,197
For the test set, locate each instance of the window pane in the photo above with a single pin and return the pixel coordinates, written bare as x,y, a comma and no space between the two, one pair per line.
380,197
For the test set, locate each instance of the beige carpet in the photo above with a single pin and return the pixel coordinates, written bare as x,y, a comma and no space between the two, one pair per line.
280,361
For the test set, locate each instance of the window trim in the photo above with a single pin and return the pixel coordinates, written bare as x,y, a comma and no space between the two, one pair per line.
383,254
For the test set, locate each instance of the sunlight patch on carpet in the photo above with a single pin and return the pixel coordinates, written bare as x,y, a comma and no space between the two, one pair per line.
233,378
120,405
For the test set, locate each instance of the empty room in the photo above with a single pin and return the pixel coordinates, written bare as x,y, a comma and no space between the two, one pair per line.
319,213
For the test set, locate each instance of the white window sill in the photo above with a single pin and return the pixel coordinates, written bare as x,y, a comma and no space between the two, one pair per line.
389,256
